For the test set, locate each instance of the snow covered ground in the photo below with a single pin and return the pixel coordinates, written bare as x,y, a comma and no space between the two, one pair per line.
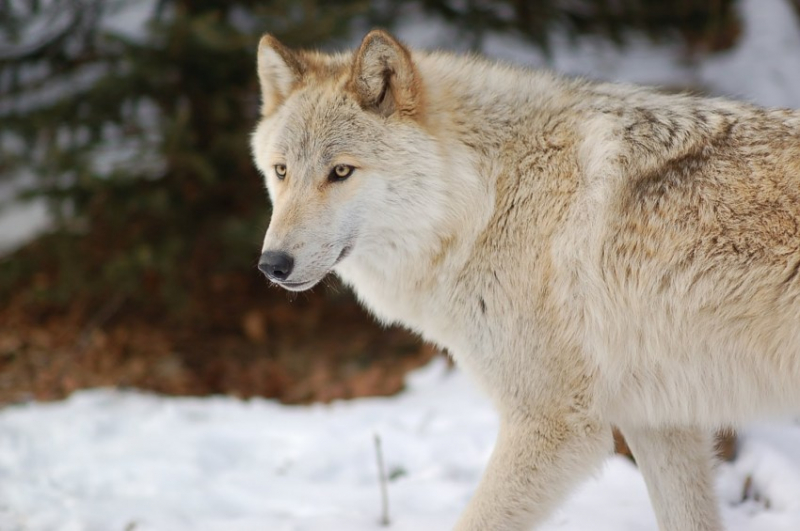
120,461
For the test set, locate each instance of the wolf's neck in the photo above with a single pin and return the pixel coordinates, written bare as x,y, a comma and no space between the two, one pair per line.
485,104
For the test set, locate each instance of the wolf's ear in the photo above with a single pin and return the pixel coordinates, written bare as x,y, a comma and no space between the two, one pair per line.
279,71
384,78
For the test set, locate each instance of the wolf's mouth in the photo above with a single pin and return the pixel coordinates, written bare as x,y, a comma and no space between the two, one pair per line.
305,284
343,255
296,286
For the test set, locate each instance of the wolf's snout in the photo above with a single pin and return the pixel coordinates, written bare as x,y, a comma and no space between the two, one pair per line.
277,265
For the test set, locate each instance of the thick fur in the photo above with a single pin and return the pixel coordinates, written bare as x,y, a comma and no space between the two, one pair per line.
592,254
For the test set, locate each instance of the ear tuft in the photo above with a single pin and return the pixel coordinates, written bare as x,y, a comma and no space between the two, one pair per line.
279,72
384,78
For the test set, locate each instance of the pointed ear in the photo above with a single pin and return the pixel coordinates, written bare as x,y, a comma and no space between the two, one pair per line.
279,72
384,78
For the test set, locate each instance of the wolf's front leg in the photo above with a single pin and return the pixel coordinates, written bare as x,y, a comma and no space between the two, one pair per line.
536,461
676,464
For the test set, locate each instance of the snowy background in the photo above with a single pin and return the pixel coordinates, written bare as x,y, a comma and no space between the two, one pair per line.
108,460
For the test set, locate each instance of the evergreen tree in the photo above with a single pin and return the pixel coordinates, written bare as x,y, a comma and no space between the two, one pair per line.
140,142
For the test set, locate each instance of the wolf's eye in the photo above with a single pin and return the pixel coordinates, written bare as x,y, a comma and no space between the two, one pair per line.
340,172
280,171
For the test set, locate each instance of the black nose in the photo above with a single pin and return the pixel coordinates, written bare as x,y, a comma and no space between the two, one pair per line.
277,265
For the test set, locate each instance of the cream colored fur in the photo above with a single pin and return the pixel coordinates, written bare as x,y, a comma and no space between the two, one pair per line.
591,254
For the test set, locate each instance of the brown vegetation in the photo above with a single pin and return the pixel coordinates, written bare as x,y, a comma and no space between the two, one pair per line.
319,347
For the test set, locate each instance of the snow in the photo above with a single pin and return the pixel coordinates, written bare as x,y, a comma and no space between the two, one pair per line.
130,19
19,222
765,68
110,460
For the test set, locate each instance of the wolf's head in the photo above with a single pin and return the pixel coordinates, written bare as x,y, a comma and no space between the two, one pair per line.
348,160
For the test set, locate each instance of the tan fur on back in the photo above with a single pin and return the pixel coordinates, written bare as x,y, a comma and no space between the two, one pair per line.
591,253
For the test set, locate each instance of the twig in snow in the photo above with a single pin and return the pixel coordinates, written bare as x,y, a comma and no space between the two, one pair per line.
382,479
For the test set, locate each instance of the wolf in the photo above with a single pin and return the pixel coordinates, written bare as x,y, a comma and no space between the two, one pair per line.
591,254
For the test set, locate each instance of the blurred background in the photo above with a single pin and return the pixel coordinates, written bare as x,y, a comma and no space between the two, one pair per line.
131,216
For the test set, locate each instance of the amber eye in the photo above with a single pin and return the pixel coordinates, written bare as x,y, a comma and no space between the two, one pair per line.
340,172
280,171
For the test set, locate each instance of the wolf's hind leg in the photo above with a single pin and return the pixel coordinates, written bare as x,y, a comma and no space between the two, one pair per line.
535,462
676,464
